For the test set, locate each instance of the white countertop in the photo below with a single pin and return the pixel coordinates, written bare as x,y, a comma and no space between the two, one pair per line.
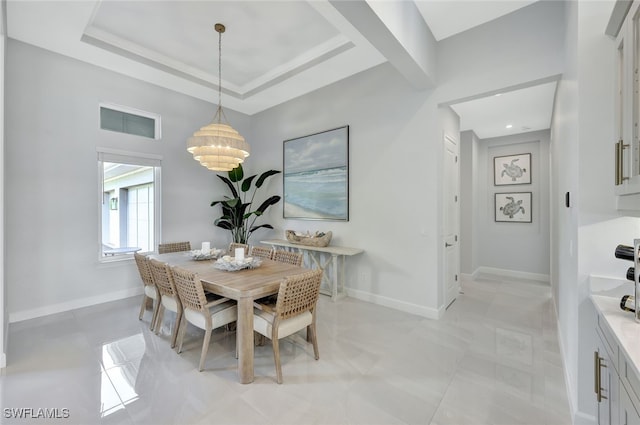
622,323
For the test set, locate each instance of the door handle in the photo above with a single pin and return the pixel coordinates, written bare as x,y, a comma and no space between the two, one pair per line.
447,245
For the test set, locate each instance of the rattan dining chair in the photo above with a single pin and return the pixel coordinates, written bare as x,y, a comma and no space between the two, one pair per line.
164,248
198,311
295,309
150,289
262,252
234,245
289,257
169,298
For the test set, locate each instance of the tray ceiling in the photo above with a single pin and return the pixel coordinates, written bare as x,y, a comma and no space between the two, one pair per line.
272,51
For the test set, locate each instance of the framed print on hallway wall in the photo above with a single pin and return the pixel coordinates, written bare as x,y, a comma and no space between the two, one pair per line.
513,207
316,176
512,169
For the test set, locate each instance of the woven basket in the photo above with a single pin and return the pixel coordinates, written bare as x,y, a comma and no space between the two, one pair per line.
320,241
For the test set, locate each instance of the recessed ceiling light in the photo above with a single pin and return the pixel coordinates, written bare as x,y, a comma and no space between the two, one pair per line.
498,94
509,126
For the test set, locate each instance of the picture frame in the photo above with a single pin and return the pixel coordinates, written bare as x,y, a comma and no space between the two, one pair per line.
316,176
512,169
513,207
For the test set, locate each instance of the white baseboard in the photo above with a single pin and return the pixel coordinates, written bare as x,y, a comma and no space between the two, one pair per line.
511,274
580,418
19,316
418,310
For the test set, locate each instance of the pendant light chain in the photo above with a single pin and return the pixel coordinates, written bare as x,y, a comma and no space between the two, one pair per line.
219,72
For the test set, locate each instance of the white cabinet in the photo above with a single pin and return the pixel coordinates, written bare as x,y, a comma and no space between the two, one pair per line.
606,378
627,108
629,400
616,384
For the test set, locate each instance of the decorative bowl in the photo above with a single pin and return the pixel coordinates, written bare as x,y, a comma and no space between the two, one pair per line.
230,264
212,254
318,239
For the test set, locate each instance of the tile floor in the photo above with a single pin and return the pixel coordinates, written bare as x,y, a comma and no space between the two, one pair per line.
492,359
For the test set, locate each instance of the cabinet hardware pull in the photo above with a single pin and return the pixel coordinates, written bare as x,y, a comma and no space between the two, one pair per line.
617,161
596,372
597,363
619,168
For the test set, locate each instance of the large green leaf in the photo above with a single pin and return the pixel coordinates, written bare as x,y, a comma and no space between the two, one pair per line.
232,203
265,226
223,224
230,185
236,174
246,184
264,176
267,203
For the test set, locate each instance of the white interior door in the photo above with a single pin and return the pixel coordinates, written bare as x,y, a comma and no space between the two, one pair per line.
451,220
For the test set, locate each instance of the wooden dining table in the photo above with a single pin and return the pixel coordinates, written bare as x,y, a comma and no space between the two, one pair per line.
244,286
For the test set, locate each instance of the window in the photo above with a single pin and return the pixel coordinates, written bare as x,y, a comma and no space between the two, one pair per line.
129,203
129,120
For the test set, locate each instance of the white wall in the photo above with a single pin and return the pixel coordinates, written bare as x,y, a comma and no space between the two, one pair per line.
4,312
468,202
484,60
52,214
513,247
391,181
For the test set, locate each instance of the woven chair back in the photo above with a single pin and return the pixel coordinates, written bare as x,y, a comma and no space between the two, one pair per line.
234,245
298,294
164,248
289,257
262,252
189,289
162,277
144,269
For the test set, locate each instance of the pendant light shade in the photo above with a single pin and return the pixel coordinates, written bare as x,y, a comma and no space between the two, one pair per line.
218,146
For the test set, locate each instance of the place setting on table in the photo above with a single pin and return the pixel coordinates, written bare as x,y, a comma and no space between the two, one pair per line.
206,253
223,261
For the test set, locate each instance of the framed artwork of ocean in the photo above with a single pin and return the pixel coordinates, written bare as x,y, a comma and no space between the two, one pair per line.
316,176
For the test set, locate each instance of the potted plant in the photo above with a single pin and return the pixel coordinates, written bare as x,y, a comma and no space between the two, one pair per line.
237,216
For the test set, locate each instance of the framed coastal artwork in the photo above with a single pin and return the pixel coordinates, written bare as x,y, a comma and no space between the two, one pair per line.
512,169
316,176
513,207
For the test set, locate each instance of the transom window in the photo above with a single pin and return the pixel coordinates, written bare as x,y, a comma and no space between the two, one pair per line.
129,121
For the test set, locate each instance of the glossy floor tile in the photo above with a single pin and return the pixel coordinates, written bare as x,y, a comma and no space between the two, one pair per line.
492,359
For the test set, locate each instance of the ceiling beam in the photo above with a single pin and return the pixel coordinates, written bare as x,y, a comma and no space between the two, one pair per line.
397,30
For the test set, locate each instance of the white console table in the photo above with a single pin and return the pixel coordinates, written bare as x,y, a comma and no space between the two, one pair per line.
332,265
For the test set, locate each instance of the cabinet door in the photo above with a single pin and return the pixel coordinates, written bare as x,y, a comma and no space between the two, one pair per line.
627,109
628,413
602,387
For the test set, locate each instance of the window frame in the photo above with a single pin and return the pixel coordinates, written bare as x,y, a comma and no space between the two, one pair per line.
157,119
133,158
